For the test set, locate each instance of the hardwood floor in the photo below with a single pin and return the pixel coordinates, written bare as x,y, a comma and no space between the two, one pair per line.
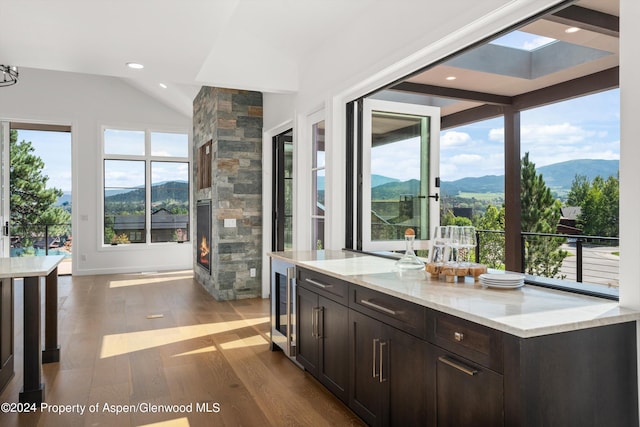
159,339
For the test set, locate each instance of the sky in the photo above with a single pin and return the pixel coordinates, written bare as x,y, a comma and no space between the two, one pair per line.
54,148
583,128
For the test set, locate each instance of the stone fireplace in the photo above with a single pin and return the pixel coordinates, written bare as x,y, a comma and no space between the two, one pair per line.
227,159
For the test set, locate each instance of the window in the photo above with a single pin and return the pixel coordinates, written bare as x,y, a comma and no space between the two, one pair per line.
400,166
318,176
146,186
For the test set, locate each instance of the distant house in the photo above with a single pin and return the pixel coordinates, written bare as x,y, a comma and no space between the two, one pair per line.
568,220
165,227
463,212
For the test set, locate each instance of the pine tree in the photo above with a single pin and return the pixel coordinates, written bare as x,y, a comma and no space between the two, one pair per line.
540,214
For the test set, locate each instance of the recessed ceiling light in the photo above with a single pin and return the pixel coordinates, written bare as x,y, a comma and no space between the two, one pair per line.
163,86
451,78
572,30
135,65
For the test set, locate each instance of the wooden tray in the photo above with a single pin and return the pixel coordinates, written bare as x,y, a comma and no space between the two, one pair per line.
450,272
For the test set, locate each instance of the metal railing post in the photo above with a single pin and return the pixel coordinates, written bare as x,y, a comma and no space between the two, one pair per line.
579,260
46,239
523,251
477,249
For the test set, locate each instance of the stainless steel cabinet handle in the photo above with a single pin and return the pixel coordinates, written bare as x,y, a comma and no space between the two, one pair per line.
375,350
458,336
319,322
318,284
377,307
382,378
457,365
313,323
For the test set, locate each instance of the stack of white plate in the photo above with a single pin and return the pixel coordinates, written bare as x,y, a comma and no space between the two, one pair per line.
502,280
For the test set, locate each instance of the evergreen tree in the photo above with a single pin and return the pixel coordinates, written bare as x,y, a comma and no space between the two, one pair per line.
540,214
32,203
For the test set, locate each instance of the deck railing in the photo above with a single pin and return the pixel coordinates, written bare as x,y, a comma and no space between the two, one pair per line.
591,259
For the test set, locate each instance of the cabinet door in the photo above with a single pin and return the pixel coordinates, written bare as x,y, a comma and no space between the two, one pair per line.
307,316
6,331
466,394
334,347
405,370
366,388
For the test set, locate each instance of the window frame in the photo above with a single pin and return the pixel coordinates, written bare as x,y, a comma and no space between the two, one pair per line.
148,160
432,209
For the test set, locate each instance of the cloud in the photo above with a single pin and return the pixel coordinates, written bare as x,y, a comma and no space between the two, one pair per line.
454,138
554,134
537,42
466,159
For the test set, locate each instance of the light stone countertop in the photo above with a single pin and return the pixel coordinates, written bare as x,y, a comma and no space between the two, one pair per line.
28,266
525,312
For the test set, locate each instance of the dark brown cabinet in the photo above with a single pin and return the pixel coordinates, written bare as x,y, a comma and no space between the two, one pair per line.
465,391
465,394
388,369
398,363
322,338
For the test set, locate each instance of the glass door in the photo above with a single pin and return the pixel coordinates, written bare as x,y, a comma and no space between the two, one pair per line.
400,169
4,195
282,191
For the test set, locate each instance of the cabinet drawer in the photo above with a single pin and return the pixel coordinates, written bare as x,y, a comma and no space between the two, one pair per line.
477,343
327,286
404,315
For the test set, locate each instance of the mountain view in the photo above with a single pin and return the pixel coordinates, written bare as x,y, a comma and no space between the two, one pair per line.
558,177
176,190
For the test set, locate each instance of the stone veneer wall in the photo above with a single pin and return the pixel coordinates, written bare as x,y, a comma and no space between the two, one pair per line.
232,120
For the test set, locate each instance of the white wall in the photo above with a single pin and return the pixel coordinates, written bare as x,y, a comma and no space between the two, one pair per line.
86,103
629,157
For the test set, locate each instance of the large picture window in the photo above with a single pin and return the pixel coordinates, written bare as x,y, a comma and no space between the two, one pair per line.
146,187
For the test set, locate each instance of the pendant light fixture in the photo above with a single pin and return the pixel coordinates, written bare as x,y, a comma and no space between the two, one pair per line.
9,75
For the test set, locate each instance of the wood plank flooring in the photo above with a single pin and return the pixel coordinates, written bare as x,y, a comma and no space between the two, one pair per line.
210,357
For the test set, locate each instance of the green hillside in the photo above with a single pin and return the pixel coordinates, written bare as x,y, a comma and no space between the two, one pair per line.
557,176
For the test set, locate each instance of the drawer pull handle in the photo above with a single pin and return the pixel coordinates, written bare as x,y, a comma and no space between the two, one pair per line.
457,365
377,307
458,336
318,284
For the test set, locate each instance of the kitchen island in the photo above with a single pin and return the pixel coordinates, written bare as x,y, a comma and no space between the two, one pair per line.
400,349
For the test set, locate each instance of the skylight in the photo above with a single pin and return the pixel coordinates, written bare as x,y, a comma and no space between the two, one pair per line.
523,41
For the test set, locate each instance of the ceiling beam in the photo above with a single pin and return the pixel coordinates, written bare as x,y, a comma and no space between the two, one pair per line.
593,83
586,85
588,19
471,115
452,93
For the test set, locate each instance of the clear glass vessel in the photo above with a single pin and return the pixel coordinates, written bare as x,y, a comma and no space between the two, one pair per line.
409,261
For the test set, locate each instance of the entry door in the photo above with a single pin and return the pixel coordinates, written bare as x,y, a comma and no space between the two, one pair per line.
400,173
4,195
